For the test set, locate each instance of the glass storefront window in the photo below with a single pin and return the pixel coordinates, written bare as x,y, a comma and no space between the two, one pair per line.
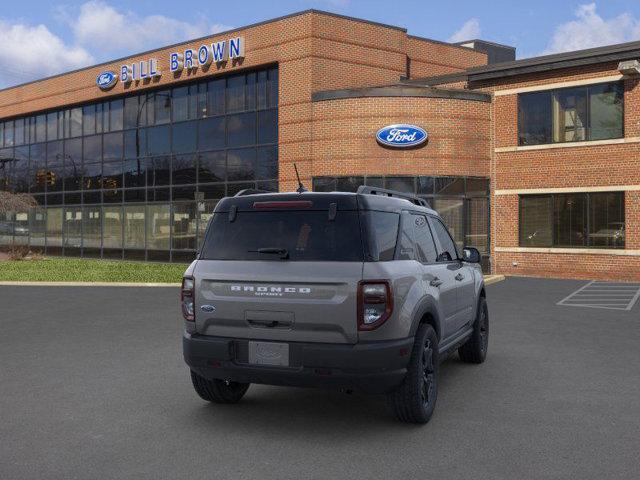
37,227
184,226
134,226
98,167
452,213
112,227
92,227
72,229
477,232
6,228
54,227
158,227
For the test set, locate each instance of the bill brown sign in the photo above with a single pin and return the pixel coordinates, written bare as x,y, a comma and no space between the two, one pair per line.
189,59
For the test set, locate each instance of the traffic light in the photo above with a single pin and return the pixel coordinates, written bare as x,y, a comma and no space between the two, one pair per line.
51,178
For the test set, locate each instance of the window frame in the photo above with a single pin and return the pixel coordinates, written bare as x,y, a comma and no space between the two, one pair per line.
435,242
439,247
588,196
552,93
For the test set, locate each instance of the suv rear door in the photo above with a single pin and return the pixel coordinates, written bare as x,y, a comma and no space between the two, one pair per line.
280,273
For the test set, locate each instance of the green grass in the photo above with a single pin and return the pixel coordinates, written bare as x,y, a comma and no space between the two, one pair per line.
84,270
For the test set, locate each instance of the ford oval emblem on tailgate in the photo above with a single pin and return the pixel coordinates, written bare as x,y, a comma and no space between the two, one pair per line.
208,308
401,136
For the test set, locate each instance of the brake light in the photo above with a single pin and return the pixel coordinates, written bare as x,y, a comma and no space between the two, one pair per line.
187,299
375,303
294,204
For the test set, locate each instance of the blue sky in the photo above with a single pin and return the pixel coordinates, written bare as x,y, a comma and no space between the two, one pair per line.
43,37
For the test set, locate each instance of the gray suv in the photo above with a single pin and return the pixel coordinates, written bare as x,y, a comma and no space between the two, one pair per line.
361,291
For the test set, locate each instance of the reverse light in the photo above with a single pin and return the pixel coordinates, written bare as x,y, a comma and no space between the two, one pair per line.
187,299
375,303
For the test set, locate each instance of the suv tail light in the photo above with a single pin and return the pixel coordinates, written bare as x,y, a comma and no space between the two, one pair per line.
375,303
187,299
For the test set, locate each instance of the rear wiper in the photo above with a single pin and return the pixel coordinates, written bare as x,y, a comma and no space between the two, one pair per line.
284,254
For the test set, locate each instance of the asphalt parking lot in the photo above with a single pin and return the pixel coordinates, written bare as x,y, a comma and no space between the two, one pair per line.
92,385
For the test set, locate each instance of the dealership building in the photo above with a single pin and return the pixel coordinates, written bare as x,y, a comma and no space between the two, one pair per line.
535,162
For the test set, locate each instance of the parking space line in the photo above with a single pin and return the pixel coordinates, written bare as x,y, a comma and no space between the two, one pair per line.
612,296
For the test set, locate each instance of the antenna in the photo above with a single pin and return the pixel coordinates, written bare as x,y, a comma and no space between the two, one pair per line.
301,188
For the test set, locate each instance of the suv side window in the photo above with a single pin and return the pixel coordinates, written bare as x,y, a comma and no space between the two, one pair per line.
424,240
405,239
447,251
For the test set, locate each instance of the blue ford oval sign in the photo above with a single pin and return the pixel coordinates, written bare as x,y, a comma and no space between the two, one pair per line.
401,136
106,80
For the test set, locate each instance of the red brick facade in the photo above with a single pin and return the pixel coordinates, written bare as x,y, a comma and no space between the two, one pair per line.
470,136
581,167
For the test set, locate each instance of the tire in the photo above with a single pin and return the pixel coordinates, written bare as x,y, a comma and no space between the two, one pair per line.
475,349
415,399
218,391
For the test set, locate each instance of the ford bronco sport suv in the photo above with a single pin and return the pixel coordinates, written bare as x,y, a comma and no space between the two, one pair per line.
357,291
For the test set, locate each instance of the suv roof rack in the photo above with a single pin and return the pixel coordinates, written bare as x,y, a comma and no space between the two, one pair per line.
368,190
250,191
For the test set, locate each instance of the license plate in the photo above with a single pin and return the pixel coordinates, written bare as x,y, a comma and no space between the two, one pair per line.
269,353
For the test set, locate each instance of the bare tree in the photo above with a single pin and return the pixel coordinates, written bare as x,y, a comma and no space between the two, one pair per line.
16,202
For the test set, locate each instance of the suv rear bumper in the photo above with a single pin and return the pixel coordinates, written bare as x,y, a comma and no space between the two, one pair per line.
375,367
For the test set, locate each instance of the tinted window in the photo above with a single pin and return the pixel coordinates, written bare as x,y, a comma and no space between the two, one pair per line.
593,112
306,235
211,133
534,118
426,248
447,250
382,233
573,220
184,137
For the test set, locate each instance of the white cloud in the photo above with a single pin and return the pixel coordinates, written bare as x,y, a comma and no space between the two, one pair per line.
469,31
104,29
97,32
28,52
591,30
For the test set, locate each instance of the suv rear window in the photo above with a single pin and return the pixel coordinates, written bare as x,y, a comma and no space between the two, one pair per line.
304,235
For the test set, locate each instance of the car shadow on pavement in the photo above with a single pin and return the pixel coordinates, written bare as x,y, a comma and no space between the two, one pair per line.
289,410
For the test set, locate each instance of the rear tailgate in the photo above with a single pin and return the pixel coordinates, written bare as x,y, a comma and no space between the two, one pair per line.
278,300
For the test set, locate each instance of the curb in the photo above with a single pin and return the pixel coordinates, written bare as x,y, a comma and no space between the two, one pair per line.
489,279
88,284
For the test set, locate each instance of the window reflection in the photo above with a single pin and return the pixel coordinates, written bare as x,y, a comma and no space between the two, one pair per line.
108,171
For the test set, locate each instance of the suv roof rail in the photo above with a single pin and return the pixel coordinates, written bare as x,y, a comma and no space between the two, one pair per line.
368,190
250,191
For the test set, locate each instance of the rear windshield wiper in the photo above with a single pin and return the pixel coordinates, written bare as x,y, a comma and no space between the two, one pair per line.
284,254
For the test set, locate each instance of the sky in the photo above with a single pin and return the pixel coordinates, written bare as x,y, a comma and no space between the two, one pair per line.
39,38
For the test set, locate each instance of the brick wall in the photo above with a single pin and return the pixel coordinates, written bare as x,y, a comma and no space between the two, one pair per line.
315,52
344,137
565,167
429,58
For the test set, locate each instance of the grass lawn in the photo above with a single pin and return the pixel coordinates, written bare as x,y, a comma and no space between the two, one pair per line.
84,270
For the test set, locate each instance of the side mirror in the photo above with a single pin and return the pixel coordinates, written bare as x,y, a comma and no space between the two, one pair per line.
471,255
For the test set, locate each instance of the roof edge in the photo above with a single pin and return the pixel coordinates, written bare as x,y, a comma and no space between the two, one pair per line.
225,32
400,91
556,61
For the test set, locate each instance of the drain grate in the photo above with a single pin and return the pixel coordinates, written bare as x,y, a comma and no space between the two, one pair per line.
609,295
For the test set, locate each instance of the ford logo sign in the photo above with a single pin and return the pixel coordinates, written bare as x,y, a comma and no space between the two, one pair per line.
106,80
401,136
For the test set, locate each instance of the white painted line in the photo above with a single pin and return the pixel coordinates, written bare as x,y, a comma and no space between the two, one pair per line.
612,296
634,300
579,290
